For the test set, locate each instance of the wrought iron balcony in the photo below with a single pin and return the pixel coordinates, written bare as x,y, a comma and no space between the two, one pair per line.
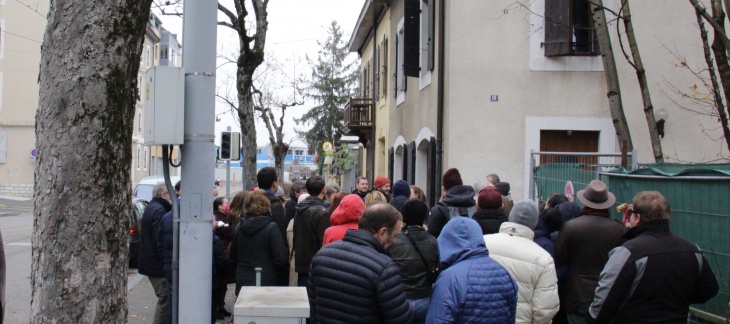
358,118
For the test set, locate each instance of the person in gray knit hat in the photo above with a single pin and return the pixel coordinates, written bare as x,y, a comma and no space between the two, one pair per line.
530,265
524,213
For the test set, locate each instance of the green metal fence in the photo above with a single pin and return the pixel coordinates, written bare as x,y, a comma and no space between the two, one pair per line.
699,196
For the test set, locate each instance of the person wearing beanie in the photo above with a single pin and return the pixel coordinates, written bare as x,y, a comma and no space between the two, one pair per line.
401,193
530,265
382,184
504,188
489,212
345,217
458,200
417,273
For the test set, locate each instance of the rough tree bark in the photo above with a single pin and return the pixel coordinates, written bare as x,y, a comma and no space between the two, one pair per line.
249,58
723,65
656,144
716,92
609,66
88,71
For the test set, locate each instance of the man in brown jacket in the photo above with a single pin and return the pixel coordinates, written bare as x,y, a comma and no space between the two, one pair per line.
583,245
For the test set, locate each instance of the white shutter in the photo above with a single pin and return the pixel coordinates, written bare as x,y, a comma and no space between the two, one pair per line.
3,148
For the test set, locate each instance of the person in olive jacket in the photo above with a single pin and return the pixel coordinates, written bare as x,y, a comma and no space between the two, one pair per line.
416,253
354,280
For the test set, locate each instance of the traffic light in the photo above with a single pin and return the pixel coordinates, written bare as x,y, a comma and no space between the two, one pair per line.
225,151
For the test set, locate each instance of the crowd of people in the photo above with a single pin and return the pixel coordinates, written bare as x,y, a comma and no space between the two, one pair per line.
382,254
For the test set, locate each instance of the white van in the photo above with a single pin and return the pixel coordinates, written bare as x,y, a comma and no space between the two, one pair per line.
144,188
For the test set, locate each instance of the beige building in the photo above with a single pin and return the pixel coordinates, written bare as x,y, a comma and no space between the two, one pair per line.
507,88
21,34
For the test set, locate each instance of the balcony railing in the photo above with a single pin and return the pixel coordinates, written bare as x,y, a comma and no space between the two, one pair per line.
357,114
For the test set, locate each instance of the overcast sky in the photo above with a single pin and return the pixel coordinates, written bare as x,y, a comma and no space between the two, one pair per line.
295,26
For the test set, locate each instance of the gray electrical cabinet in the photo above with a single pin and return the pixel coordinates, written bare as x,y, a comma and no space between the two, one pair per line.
163,93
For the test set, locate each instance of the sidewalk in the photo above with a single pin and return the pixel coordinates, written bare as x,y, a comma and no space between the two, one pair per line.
141,300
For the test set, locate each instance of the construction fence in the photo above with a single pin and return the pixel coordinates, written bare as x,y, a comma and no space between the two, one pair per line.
698,194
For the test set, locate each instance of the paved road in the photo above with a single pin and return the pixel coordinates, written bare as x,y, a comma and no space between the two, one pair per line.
16,224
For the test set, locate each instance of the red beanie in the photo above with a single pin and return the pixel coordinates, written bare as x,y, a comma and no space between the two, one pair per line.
489,198
452,178
381,181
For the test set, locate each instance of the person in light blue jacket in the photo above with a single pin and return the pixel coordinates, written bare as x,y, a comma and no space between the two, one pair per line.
472,287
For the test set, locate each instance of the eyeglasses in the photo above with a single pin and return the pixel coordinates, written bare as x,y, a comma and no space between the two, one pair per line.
632,212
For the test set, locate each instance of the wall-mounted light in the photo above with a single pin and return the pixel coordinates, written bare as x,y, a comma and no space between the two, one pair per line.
661,115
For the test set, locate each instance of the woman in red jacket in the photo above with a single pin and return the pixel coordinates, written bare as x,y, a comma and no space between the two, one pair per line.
345,217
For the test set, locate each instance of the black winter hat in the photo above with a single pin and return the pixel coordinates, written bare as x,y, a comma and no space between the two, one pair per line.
503,188
414,212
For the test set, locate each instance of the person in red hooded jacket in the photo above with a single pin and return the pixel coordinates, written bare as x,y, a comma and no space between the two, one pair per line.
345,217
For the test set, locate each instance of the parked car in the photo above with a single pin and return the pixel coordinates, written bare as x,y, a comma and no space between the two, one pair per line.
144,188
2,278
135,220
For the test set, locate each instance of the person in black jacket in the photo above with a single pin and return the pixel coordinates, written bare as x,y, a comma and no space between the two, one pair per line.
416,253
458,200
490,214
656,274
150,261
290,208
269,182
361,188
354,280
310,222
258,243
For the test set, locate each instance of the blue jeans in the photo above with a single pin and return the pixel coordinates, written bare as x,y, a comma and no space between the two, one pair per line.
420,309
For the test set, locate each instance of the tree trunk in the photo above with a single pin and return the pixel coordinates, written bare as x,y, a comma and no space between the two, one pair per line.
280,150
716,92
656,144
88,71
609,66
248,130
723,66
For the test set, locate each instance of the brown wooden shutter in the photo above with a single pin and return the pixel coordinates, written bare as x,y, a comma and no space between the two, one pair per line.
557,27
376,72
411,41
412,173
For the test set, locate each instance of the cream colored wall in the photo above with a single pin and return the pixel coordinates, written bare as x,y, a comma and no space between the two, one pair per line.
384,104
19,93
488,53
417,114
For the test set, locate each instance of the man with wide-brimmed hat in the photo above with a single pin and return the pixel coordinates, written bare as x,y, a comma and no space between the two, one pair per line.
583,245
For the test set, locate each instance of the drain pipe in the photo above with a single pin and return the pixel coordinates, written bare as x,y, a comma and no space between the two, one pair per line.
440,103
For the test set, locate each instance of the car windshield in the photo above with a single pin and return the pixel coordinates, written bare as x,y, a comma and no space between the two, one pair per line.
144,191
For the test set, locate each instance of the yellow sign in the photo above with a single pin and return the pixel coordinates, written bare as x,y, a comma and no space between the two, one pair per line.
327,147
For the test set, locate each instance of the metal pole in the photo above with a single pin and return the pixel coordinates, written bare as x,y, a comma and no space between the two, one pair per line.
196,217
258,276
531,187
228,173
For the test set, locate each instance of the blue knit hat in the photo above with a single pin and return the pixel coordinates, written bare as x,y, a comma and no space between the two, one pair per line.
401,189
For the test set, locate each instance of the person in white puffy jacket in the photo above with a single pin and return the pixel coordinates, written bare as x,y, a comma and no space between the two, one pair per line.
530,265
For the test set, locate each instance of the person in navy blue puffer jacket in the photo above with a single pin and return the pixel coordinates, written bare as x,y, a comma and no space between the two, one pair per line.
472,287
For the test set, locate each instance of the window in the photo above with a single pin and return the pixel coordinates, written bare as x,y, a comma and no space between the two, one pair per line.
426,43
299,152
569,29
1,91
139,121
173,57
2,38
400,78
146,157
384,70
3,147
258,151
147,56
139,87
366,93
139,155
164,53
289,152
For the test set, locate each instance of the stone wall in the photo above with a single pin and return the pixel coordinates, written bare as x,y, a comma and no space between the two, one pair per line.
16,189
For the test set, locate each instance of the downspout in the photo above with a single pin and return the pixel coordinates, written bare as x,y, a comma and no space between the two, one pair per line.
440,103
370,168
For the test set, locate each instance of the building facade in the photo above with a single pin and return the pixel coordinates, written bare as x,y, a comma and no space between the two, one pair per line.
21,35
506,83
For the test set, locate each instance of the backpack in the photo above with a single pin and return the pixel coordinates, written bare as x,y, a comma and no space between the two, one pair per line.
451,211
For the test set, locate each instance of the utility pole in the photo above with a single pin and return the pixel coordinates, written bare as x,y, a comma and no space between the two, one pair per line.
196,205
228,172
